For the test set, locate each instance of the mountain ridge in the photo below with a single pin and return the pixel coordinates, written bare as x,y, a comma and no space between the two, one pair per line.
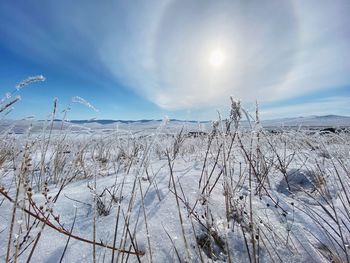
313,120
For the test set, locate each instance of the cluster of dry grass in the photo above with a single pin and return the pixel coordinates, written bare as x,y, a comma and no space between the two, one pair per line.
256,193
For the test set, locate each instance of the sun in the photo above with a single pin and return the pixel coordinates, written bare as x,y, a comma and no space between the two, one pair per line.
216,58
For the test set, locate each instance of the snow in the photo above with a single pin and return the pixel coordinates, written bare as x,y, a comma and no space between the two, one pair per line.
111,165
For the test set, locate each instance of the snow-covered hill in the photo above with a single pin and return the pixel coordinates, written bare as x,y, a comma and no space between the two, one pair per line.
21,126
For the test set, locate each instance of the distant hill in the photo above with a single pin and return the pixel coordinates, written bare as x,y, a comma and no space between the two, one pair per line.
310,121
103,122
21,126
326,120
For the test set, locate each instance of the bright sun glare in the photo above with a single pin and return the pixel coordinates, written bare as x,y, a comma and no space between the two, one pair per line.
217,58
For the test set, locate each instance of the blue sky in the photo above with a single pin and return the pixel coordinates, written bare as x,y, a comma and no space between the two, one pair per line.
146,59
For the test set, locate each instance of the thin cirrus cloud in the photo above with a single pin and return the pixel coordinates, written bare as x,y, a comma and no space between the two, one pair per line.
273,49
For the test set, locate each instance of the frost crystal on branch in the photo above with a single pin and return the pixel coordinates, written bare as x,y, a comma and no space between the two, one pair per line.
236,113
165,121
82,101
9,104
215,126
30,80
7,96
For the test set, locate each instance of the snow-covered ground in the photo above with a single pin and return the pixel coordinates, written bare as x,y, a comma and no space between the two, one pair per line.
173,191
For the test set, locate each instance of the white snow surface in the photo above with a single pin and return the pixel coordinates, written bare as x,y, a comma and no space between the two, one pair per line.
118,160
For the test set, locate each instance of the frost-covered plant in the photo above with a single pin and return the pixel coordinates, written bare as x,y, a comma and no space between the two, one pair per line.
8,101
221,195
235,114
30,80
84,102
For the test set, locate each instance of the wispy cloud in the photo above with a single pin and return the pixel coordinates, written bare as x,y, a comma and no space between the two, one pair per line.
275,50
160,49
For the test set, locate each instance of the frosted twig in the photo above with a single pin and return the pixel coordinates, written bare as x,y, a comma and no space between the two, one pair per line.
30,80
9,104
82,101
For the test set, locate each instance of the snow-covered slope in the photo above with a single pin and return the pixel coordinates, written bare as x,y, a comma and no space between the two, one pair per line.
21,126
310,121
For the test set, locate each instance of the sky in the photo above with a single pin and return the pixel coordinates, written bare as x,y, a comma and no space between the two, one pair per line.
146,59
